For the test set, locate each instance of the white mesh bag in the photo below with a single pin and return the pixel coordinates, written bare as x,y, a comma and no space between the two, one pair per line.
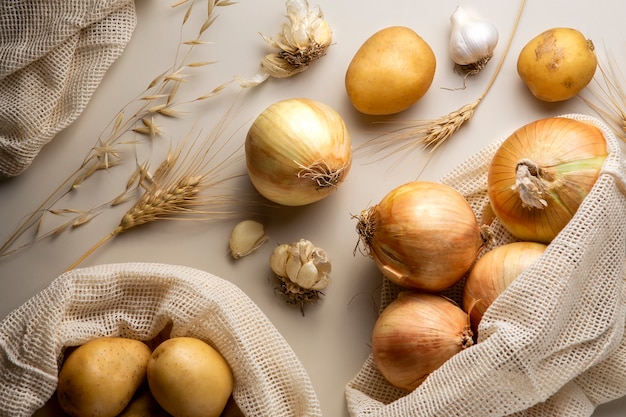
53,55
553,343
138,300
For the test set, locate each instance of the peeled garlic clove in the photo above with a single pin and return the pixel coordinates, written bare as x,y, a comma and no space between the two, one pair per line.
472,41
246,237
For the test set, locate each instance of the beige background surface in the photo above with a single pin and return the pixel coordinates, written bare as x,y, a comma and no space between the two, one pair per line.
332,339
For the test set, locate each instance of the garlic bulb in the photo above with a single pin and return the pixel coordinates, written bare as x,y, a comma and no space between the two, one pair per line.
304,38
472,41
303,270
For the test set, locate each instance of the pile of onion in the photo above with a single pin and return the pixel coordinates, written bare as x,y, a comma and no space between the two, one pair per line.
422,235
298,151
540,175
493,273
415,334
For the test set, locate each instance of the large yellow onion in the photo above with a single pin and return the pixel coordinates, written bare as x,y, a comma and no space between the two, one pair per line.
422,235
415,334
298,151
540,175
493,273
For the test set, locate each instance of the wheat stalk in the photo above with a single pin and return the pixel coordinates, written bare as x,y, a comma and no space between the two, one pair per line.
429,135
158,99
188,184
608,97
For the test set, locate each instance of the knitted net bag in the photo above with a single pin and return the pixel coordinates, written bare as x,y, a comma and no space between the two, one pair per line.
53,55
553,343
139,300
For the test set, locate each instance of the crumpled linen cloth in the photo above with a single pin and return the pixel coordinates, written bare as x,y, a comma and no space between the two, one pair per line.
53,55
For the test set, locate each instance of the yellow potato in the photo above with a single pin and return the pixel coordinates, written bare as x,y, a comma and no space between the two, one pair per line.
143,404
557,64
189,378
99,378
390,72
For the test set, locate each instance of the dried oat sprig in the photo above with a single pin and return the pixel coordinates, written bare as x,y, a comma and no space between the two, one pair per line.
608,97
190,183
158,100
429,135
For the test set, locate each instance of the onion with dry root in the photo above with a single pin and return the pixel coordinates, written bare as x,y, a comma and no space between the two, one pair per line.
298,151
540,175
422,235
415,334
493,273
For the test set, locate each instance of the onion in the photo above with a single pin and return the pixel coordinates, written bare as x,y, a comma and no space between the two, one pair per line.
415,334
422,235
298,151
493,273
540,175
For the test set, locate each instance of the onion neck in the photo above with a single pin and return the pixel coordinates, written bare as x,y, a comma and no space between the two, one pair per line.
529,185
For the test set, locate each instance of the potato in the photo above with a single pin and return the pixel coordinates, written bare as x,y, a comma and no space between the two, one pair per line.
143,404
390,72
99,378
189,378
557,64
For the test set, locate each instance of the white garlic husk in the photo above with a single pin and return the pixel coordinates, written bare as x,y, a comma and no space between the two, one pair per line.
246,237
472,41
303,39
303,269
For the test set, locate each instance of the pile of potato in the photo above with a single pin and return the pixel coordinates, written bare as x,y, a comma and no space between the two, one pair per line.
116,376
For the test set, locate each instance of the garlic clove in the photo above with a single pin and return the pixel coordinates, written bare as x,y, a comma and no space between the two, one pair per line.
293,265
307,276
246,237
278,260
472,41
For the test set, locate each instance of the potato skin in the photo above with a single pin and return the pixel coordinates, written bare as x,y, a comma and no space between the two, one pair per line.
390,72
99,378
189,378
557,64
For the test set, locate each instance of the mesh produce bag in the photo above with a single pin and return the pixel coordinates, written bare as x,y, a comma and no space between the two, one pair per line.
53,55
553,343
139,300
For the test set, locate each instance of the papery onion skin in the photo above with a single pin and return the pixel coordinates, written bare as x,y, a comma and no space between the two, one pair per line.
298,151
569,154
493,273
422,235
415,334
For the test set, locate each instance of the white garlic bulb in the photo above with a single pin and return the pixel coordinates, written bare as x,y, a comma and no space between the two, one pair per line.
302,263
303,39
303,270
472,41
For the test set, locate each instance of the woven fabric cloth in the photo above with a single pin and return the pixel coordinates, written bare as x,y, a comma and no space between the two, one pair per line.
139,300
53,55
553,343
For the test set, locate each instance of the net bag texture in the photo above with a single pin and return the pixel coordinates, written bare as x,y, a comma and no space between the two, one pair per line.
553,343
138,300
53,55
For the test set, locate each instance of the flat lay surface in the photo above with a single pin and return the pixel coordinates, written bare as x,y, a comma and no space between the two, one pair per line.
332,337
